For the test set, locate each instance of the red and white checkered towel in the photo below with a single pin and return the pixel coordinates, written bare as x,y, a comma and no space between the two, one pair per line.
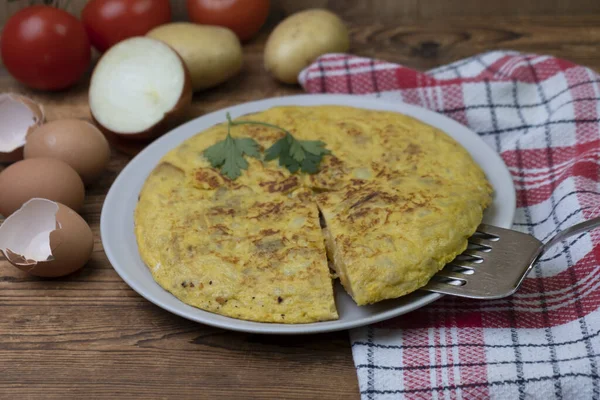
542,115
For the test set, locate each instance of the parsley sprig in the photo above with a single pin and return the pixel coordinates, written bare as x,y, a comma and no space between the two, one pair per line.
228,154
293,154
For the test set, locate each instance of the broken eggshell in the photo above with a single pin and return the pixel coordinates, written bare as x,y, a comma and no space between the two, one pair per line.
19,115
47,239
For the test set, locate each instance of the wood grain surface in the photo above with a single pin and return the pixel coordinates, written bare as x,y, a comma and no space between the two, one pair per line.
381,10
89,335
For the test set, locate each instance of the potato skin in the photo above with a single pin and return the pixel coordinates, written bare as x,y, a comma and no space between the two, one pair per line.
212,54
302,37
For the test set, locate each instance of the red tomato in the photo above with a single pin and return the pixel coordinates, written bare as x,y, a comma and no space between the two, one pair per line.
244,17
110,21
45,48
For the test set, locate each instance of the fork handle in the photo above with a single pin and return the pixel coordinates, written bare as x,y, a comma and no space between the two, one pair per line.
571,231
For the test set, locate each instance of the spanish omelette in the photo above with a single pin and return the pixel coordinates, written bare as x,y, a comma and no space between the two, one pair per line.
397,200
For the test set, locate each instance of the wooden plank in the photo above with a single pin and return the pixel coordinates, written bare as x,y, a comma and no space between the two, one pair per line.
378,10
79,349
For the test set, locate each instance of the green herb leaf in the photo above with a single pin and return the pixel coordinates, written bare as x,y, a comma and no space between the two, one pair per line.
216,154
280,146
248,146
296,150
311,163
228,154
315,147
294,154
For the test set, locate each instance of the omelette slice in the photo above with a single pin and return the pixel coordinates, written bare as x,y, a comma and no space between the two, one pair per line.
247,253
386,241
400,209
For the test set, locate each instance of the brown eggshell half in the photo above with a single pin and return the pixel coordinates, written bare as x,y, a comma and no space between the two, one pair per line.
46,178
36,108
168,122
38,118
72,245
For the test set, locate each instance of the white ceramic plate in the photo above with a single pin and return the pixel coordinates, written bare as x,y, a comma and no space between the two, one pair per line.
118,238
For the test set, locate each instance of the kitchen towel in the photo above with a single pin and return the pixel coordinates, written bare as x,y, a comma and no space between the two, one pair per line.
542,115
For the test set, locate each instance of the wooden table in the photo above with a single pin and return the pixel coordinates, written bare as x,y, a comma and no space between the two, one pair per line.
90,335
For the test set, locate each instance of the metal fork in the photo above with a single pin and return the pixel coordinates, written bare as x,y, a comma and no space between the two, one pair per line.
496,262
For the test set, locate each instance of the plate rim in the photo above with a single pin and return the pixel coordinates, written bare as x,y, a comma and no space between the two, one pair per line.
234,324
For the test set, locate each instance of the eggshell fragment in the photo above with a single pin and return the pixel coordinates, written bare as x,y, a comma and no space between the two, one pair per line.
76,142
25,235
46,178
47,239
19,115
